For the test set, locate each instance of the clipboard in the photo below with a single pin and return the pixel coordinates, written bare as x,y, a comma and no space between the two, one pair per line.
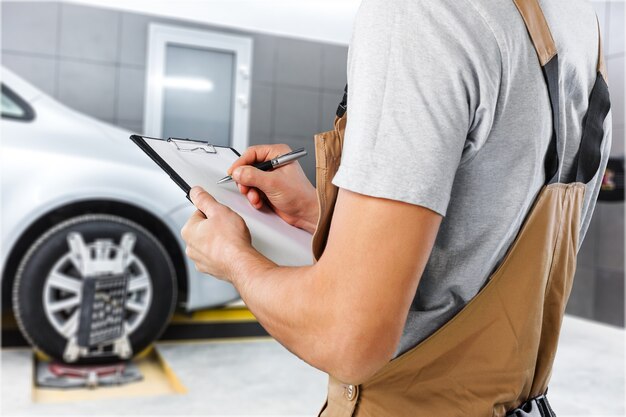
191,162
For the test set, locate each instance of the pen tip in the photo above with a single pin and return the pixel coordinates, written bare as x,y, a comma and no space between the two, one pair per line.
225,179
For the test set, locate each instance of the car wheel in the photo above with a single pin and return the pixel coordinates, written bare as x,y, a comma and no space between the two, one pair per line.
49,281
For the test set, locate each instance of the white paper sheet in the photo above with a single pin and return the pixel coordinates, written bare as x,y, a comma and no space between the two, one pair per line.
272,236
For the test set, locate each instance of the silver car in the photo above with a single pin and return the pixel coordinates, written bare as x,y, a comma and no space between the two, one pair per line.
75,190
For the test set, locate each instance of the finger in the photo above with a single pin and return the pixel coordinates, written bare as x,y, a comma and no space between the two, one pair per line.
258,153
243,189
188,227
202,268
254,198
253,154
196,217
203,200
253,177
192,253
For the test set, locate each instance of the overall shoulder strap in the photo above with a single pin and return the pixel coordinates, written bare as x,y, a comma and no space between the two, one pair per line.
538,29
343,106
588,158
601,65
545,46
589,154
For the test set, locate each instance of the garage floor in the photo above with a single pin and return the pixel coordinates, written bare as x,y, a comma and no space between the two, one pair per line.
253,378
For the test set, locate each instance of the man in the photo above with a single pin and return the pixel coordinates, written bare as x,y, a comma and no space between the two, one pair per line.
443,158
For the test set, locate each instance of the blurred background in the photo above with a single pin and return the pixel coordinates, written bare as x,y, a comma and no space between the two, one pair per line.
235,73
95,60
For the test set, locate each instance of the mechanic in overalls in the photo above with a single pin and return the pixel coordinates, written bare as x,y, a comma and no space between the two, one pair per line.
449,210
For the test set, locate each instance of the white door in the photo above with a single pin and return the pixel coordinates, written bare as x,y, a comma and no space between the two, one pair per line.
198,85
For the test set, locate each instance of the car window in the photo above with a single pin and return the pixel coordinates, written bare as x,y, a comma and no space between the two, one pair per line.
13,107
10,108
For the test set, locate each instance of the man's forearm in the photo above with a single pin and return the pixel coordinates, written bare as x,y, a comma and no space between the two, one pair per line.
287,302
316,315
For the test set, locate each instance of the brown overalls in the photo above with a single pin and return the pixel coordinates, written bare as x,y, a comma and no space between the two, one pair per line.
496,354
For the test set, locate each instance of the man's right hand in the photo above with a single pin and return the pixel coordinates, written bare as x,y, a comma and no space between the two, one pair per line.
285,190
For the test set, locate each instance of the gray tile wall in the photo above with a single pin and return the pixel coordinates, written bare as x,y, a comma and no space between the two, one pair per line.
94,60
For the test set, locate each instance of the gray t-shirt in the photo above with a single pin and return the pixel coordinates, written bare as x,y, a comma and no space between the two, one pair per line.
448,109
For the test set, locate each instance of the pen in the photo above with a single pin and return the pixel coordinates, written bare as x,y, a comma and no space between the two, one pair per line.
279,161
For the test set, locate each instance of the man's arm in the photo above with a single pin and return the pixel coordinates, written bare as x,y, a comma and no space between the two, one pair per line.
345,314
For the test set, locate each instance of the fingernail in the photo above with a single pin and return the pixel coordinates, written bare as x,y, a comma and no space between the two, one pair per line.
236,173
194,192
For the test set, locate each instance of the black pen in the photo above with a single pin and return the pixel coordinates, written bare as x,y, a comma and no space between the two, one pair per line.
279,161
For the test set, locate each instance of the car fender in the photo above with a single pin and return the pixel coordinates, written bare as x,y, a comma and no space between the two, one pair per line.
52,189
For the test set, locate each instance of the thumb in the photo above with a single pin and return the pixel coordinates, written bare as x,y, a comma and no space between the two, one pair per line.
252,177
203,200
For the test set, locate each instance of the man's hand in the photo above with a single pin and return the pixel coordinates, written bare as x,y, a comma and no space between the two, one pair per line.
215,235
286,190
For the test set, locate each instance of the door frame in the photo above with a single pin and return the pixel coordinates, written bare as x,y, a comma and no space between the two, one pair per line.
159,36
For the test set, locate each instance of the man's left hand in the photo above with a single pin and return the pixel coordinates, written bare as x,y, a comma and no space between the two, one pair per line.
215,235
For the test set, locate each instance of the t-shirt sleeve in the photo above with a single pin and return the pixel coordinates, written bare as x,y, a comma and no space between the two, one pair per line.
423,82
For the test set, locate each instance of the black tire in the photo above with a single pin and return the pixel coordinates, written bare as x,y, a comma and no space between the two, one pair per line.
32,274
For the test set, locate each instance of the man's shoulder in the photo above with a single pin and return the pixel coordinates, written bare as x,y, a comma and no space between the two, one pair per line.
447,23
